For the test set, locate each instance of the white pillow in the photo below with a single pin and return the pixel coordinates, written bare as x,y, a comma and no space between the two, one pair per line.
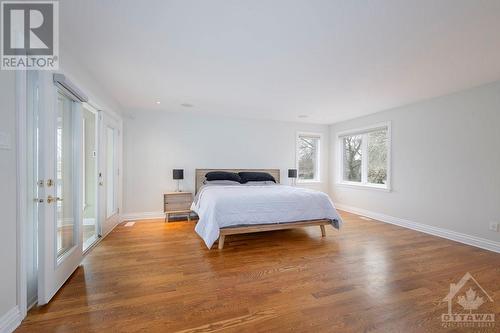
221,182
257,183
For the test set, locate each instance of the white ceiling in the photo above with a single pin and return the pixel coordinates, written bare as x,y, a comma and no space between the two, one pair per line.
330,60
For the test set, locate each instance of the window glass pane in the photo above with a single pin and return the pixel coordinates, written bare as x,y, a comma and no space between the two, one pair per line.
377,157
308,153
64,173
110,174
352,158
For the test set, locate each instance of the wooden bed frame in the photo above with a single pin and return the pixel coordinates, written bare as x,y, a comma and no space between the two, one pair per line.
268,227
245,229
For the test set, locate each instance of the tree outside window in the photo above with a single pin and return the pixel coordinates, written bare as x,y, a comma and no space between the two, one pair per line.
365,157
308,157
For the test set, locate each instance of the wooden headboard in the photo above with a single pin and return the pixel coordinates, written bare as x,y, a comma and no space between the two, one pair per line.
200,174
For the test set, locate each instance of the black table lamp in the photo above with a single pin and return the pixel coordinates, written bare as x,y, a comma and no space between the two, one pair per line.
178,174
292,173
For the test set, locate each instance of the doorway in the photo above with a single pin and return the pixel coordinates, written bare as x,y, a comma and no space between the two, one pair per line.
109,174
63,201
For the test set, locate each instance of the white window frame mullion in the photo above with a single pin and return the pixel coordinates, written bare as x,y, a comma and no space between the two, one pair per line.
317,175
364,159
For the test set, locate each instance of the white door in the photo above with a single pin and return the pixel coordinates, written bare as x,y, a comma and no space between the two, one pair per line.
60,183
91,227
109,171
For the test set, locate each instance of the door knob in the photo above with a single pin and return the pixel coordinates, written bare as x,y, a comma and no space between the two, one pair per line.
51,199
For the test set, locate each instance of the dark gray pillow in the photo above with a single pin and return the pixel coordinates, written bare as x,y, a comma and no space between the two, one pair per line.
255,177
223,175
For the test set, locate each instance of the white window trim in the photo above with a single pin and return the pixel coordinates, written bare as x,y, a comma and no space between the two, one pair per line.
364,182
317,180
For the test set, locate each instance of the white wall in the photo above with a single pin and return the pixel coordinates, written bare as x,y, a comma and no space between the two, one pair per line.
155,142
445,163
77,73
8,192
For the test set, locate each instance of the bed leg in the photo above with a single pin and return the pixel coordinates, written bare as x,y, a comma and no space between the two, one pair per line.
221,241
323,230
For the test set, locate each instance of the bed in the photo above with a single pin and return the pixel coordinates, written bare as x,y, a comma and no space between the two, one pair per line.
241,208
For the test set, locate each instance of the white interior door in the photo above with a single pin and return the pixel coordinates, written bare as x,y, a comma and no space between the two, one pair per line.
60,183
109,171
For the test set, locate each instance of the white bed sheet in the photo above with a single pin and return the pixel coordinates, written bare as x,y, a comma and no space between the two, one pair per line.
220,206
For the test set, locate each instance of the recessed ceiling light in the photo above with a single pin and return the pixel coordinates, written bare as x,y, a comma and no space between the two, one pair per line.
158,102
187,105
303,116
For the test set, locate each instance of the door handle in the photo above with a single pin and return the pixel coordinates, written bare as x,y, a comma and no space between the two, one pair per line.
51,199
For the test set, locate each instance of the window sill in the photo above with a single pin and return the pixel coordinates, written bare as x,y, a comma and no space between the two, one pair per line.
305,182
365,187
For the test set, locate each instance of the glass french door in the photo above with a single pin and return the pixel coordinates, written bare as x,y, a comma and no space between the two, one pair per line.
90,227
65,177
59,198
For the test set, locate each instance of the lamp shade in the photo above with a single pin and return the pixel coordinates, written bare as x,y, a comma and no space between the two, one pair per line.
178,174
292,173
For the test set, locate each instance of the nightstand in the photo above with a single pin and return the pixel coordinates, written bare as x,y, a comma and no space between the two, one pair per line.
177,203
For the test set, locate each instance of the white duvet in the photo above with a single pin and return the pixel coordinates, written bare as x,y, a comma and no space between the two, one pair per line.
220,206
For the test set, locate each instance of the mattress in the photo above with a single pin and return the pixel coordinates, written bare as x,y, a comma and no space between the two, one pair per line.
221,206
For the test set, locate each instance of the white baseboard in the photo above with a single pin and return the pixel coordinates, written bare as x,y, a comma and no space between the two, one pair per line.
142,216
435,231
11,320
111,229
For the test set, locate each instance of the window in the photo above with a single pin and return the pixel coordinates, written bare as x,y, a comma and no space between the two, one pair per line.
308,146
365,157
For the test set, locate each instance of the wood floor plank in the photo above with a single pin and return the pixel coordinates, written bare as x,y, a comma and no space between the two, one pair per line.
370,276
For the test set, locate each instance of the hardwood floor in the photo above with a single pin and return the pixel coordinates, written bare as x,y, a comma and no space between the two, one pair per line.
370,276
